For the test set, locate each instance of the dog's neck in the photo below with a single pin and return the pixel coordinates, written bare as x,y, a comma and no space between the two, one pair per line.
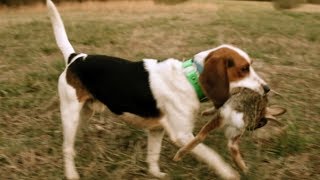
192,71
199,62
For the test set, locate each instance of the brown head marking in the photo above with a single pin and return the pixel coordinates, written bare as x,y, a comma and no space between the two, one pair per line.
221,67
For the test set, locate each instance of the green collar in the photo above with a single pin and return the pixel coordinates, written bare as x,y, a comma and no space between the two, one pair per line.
191,70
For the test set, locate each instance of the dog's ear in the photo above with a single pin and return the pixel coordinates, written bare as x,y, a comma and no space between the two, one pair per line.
214,79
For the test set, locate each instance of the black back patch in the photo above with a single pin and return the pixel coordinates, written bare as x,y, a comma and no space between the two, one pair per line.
122,85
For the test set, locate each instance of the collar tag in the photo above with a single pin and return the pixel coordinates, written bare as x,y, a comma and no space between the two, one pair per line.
192,72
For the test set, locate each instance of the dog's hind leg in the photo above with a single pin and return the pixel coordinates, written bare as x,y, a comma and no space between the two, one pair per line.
70,109
70,121
86,113
154,147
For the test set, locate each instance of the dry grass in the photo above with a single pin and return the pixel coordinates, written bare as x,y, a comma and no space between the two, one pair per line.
284,44
308,8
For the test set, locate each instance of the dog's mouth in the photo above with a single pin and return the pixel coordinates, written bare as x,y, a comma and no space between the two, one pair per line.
262,122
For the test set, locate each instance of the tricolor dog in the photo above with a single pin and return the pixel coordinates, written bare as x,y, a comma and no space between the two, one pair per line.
161,96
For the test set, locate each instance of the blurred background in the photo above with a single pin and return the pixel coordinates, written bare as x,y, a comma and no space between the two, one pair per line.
286,4
281,36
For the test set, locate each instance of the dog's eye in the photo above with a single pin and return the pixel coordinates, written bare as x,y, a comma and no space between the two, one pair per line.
230,62
245,69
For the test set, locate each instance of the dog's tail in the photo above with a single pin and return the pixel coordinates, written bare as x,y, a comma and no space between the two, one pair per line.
59,31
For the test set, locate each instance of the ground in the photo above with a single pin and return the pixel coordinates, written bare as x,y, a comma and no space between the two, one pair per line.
285,46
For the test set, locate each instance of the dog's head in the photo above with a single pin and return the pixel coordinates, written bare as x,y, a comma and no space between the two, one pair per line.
224,68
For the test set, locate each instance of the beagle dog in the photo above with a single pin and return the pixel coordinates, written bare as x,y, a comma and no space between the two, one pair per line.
157,95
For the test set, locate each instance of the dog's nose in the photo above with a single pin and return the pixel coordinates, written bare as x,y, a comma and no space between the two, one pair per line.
266,88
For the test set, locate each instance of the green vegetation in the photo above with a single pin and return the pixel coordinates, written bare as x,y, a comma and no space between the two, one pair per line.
284,45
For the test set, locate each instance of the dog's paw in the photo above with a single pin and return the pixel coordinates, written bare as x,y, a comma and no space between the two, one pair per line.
158,174
228,173
245,169
74,176
234,176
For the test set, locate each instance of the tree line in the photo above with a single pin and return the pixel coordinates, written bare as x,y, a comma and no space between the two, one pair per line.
29,2
279,3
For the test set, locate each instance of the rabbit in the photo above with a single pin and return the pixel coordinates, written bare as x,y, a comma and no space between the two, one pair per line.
244,110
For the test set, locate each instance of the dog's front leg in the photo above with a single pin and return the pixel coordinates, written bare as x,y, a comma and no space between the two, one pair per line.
233,145
180,133
154,147
211,125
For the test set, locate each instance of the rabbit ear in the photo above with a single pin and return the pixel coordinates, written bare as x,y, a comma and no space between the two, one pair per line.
271,118
272,111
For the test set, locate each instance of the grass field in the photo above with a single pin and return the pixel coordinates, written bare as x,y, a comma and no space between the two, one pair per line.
285,46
